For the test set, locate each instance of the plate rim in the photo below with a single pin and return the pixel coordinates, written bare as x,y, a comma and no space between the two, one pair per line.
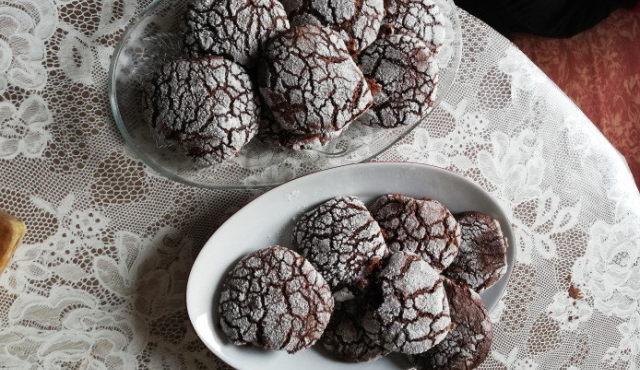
199,260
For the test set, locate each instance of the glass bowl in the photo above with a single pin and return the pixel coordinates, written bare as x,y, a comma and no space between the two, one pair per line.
156,37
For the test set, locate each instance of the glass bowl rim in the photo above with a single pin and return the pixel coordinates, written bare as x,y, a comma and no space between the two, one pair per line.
115,110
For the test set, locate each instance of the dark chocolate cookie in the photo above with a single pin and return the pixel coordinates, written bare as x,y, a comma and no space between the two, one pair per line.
207,106
468,344
482,258
421,226
234,29
273,135
357,21
418,18
342,241
346,339
275,299
311,84
407,72
413,314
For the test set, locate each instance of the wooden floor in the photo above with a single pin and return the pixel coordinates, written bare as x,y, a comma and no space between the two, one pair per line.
600,70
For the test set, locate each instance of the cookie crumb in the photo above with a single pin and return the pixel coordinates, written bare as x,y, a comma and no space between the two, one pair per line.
574,292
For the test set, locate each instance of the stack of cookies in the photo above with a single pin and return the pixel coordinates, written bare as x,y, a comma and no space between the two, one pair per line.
402,275
295,73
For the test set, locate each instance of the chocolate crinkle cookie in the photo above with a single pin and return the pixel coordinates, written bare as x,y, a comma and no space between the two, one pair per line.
310,83
345,338
482,258
275,299
207,106
273,135
342,241
469,342
357,21
421,226
235,29
418,18
407,72
413,314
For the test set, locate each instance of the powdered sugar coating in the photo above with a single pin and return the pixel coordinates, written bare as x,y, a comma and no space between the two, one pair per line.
346,339
418,18
341,240
275,299
272,134
421,226
357,21
407,72
482,258
310,82
469,342
207,106
235,29
413,315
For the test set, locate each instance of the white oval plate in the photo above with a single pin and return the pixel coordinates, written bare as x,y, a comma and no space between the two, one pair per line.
269,219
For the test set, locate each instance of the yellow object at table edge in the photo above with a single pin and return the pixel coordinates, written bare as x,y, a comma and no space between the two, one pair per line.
12,230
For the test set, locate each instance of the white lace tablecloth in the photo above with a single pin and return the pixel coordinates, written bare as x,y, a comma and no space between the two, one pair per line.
99,282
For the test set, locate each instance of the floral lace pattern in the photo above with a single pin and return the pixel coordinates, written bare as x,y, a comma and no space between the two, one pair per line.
511,362
24,130
26,26
609,270
606,55
568,311
99,281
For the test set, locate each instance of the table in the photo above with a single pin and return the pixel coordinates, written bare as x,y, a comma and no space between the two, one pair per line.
99,282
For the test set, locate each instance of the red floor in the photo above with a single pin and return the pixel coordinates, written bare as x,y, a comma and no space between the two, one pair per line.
600,70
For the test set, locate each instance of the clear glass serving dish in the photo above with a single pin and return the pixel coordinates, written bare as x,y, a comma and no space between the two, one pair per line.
156,37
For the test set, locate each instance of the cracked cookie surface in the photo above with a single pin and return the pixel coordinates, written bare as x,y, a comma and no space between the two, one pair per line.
275,299
310,83
482,258
273,135
234,29
357,21
407,73
207,106
342,241
413,313
345,338
421,226
469,342
419,18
